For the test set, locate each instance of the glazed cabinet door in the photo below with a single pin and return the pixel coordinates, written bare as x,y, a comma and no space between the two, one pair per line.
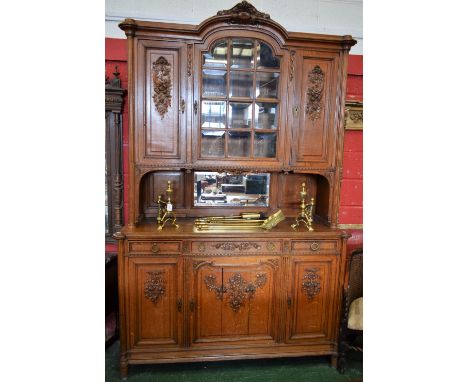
311,298
160,102
313,97
240,93
233,300
155,302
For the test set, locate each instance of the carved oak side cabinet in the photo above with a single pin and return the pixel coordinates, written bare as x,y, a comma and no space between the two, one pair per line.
240,96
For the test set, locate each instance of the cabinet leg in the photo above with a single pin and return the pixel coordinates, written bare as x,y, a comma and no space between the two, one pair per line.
334,361
123,367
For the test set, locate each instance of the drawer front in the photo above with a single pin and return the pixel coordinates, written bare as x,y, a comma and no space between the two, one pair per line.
238,247
156,247
320,246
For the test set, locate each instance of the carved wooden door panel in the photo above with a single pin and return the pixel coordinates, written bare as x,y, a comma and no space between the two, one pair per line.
311,298
314,97
155,301
160,113
233,300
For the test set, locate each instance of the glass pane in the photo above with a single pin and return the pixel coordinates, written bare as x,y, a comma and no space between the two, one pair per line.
241,84
265,145
265,57
240,115
239,144
217,58
213,114
266,115
212,144
225,189
267,85
242,53
214,83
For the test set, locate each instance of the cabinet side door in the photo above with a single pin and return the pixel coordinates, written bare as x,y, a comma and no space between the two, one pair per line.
313,110
312,289
160,103
154,292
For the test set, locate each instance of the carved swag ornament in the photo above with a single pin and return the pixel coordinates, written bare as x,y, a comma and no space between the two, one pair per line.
155,286
315,92
162,85
244,13
238,289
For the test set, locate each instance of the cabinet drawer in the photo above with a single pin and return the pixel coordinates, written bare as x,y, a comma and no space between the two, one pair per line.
236,246
313,246
162,247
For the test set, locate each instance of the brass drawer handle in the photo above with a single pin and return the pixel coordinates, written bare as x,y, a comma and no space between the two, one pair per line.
314,246
155,248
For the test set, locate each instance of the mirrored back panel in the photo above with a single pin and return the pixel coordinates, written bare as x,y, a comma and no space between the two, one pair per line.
233,190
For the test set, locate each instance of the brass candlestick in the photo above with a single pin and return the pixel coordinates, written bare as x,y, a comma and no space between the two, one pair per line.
307,210
165,209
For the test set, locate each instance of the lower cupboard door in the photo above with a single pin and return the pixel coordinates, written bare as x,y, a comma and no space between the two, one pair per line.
311,299
234,301
155,302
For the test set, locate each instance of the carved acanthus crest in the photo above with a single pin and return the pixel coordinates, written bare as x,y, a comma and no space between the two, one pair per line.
310,283
155,286
315,92
244,13
237,289
162,85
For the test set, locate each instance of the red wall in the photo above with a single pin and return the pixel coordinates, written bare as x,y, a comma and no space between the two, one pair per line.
351,190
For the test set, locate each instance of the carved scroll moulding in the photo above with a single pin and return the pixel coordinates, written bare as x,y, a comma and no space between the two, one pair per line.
316,80
162,85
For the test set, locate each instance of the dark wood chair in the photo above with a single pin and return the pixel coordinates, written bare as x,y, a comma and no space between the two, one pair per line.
351,333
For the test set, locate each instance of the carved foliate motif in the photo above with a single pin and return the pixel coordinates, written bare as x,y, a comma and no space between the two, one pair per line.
311,283
315,92
210,282
162,84
244,13
237,289
155,286
240,246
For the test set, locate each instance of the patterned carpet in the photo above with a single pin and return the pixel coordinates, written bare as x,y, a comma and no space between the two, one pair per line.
310,369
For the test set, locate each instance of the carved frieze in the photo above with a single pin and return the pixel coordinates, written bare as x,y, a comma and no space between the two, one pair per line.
229,246
155,286
311,283
244,13
237,288
162,84
316,78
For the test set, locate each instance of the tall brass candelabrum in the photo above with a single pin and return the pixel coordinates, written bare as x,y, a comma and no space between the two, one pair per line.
165,208
306,215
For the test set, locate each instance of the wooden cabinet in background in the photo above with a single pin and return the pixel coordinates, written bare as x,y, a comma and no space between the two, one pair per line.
213,108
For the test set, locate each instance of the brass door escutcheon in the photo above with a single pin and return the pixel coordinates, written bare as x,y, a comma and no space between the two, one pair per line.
155,248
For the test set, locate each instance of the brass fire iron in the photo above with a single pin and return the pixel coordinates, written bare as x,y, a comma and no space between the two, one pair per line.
165,208
244,221
306,215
